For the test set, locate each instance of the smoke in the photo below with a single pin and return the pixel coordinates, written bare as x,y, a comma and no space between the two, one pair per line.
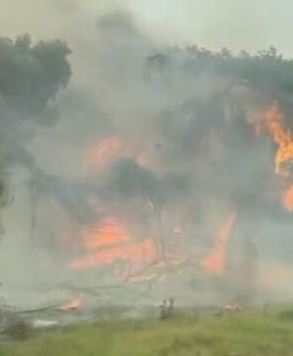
207,22
184,153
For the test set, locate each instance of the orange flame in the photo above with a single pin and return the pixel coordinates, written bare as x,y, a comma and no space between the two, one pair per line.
74,304
273,121
110,232
215,262
137,253
288,198
111,242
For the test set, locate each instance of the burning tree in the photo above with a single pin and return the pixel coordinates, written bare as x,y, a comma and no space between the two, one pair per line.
206,147
237,161
201,146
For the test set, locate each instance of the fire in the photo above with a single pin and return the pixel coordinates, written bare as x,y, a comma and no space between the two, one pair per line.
216,260
111,241
273,123
136,253
288,198
74,304
109,233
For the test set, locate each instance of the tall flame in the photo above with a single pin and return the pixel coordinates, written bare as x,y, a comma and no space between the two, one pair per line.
215,262
272,121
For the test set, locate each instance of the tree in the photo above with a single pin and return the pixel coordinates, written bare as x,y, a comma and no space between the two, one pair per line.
31,75
266,70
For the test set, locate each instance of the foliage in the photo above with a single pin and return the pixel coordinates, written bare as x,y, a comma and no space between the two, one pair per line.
31,74
266,70
247,333
286,315
18,329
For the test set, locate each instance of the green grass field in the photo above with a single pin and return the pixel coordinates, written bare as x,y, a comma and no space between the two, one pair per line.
246,334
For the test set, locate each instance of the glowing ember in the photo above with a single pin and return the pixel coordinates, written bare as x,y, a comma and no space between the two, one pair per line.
74,304
215,262
288,198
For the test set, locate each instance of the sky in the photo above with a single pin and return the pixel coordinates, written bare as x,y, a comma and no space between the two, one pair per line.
237,24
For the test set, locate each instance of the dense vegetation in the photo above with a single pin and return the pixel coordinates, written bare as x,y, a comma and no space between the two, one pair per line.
250,333
266,70
31,74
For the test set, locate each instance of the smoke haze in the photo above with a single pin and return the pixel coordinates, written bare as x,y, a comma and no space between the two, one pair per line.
208,23
161,129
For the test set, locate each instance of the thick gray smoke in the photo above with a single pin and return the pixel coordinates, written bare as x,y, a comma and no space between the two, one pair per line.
173,125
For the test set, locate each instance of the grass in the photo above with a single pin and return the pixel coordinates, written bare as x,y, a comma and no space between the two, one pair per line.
245,334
